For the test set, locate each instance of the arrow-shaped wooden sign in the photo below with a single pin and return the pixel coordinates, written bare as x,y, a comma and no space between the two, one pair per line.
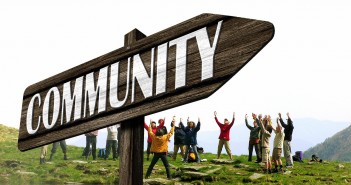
176,66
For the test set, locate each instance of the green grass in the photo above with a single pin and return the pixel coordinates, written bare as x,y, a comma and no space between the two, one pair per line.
61,171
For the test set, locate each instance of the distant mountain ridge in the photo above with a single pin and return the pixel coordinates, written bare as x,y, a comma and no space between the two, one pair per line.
335,148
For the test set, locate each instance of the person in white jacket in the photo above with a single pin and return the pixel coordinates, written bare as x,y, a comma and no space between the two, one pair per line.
111,141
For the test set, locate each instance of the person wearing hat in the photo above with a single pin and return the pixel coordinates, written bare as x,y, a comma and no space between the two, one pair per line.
149,139
159,147
224,135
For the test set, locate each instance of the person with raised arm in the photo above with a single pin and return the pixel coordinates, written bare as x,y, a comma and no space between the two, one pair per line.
159,147
224,136
277,147
254,141
288,131
154,128
191,138
266,131
179,140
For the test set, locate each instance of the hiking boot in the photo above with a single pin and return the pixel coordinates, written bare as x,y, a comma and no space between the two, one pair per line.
42,161
65,157
289,166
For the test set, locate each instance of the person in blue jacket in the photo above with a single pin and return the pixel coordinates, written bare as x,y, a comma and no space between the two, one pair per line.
190,138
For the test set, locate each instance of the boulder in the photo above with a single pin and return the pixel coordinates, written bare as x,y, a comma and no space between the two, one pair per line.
241,166
80,167
256,176
192,168
156,181
196,175
222,161
340,166
79,162
25,173
103,171
173,167
73,183
12,163
213,170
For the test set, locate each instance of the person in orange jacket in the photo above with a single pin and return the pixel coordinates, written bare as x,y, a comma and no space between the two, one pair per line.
154,128
159,147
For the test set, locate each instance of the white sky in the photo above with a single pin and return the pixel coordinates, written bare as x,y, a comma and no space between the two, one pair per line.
303,70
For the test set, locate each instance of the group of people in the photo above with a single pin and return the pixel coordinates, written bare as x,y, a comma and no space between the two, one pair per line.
90,148
185,139
260,135
111,143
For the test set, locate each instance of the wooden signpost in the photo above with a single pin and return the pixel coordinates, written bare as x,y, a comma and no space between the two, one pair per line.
176,66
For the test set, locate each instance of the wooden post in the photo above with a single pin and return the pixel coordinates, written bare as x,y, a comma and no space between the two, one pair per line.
132,137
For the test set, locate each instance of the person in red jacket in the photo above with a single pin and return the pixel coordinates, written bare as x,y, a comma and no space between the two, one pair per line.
161,122
224,136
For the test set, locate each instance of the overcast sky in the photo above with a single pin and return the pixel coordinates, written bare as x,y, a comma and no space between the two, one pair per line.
305,69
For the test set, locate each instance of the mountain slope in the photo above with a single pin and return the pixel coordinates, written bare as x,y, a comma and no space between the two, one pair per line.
8,133
336,148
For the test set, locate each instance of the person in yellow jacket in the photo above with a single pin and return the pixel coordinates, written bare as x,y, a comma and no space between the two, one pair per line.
159,147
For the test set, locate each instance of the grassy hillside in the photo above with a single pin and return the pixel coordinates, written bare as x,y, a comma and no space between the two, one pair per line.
23,168
336,148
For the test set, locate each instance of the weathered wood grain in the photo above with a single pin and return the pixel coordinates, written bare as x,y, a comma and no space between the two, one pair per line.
239,41
132,137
